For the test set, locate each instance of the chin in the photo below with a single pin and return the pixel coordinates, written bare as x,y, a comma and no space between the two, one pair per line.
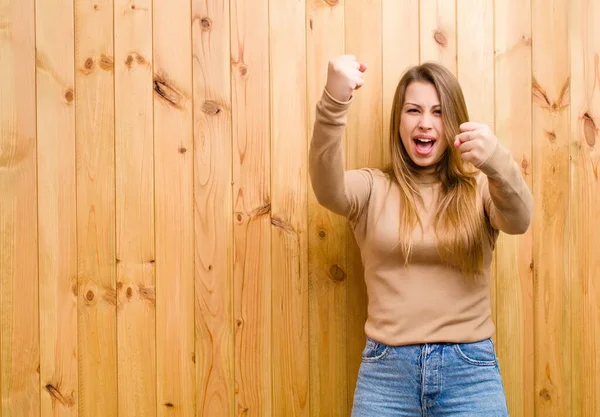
425,161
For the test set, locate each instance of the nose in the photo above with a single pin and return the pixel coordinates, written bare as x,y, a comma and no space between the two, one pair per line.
425,121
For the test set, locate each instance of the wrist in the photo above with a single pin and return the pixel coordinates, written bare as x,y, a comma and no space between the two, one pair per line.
339,94
336,99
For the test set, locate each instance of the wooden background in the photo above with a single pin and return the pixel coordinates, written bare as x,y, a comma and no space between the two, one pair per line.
161,252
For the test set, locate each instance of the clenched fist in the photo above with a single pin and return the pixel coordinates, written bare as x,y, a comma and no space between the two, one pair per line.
344,75
476,142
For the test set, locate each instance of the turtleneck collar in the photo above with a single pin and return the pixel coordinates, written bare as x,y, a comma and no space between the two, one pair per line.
425,175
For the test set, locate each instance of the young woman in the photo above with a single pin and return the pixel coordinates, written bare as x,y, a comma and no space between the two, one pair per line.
426,227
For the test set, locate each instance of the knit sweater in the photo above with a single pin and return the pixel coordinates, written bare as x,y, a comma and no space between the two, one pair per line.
426,300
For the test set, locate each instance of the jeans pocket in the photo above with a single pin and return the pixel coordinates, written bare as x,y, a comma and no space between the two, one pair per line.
374,351
480,353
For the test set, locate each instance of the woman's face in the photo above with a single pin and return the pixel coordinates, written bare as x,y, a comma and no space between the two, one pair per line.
421,125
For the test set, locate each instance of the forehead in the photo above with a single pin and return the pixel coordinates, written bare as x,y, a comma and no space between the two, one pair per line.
422,93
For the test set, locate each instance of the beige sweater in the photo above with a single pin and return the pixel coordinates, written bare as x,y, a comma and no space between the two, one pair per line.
425,301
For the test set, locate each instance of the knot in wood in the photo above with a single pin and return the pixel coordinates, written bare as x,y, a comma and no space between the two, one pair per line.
206,23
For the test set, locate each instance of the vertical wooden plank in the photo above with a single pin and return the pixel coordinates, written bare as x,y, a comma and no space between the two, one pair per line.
475,67
134,147
439,32
550,87
584,207
174,207
252,206
475,22
95,150
213,208
514,276
289,178
57,210
19,308
400,32
327,235
365,149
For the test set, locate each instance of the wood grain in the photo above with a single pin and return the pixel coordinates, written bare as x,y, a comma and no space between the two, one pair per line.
365,148
289,176
327,234
476,58
514,276
19,308
551,106
174,208
252,206
213,210
400,32
438,32
97,297
584,208
134,146
57,208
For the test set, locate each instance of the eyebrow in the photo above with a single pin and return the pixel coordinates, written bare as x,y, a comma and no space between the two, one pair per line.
416,105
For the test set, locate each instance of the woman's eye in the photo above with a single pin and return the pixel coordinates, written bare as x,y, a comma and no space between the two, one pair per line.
413,110
437,112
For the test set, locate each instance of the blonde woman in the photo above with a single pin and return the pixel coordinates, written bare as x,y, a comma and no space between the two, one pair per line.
426,227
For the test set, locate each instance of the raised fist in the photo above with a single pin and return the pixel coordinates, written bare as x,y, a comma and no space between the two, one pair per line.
344,75
476,142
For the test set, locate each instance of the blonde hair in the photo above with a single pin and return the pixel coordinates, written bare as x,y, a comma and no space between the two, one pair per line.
459,224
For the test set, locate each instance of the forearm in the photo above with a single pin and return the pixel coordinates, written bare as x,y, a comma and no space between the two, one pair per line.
509,203
326,159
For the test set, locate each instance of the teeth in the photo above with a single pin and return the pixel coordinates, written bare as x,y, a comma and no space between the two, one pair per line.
424,140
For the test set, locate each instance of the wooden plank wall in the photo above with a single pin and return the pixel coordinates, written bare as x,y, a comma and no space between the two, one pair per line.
162,252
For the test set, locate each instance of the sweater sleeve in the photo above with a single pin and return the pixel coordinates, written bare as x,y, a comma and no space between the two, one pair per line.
343,192
506,196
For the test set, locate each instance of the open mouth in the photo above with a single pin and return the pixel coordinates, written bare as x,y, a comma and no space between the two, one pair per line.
424,145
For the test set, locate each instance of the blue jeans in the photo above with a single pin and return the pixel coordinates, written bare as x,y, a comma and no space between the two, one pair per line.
438,379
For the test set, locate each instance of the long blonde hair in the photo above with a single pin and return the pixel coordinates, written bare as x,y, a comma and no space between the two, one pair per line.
459,224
